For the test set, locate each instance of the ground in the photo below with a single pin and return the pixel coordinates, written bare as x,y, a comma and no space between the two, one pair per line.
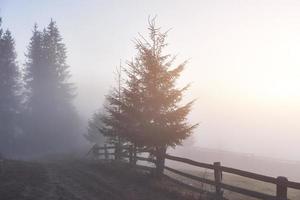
79,180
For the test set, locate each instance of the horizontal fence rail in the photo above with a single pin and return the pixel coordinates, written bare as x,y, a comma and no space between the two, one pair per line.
191,162
294,185
282,184
251,175
196,178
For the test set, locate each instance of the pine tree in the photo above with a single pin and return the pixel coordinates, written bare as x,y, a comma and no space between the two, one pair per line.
9,93
34,76
111,126
149,113
33,70
130,108
50,94
152,106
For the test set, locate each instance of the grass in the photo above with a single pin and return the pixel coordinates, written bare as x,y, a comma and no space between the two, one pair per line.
29,180
234,180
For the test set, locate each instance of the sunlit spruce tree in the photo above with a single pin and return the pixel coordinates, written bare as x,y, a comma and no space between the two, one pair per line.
51,115
153,115
164,120
9,93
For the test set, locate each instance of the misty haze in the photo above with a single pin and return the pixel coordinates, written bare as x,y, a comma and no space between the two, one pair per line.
149,100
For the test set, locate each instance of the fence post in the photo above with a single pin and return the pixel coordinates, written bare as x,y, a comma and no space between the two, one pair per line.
117,153
120,152
105,152
281,188
134,154
130,155
1,165
218,179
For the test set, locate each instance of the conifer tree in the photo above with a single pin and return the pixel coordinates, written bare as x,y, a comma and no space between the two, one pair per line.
153,111
148,111
52,116
111,123
32,73
9,93
130,108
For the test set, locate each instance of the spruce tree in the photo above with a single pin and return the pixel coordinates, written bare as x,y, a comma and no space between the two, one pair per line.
111,124
150,113
53,118
9,93
152,103
34,63
34,76
130,109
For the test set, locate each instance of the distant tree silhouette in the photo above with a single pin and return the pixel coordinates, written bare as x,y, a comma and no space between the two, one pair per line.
10,98
93,134
49,94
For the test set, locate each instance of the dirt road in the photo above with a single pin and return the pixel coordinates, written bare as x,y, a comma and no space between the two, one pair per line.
74,180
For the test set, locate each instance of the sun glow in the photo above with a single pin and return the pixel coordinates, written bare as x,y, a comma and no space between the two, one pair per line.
284,87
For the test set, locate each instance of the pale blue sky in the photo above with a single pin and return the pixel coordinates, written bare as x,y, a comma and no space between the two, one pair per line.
244,60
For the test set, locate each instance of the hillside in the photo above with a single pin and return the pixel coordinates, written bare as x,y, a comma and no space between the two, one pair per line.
82,180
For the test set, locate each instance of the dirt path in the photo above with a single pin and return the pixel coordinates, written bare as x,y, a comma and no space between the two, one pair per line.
74,180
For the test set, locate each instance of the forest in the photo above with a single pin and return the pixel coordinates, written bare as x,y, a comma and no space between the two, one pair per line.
144,109
37,114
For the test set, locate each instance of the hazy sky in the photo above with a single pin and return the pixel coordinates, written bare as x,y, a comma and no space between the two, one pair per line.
244,60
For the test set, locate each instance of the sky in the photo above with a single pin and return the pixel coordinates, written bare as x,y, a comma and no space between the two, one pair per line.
244,61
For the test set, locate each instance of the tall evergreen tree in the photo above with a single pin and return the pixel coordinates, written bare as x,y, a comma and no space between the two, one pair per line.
126,118
152,103
9,93
34,75
150,113
52,115
110,122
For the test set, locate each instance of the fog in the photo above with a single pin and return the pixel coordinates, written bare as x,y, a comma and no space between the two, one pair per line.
244,61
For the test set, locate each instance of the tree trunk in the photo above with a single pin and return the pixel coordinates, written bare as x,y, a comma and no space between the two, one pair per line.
117,152
134,154
160,161
118,149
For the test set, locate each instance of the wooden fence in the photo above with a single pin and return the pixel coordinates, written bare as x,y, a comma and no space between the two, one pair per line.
281,182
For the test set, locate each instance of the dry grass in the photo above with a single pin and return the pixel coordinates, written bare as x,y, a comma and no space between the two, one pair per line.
235,180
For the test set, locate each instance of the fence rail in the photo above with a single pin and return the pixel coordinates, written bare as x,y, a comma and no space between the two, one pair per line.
282,183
